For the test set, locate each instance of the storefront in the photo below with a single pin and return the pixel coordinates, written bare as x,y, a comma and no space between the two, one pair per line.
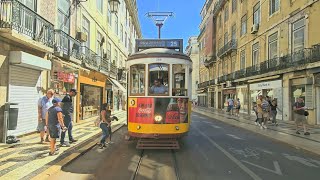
242,94
63,78
273,89
118,94
27,83
92,93
211,93
303,87
227,94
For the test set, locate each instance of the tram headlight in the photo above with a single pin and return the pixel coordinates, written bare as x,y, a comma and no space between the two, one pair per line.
138,127
177,128
157,118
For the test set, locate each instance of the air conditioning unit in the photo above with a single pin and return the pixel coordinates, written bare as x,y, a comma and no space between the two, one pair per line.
82,37
254,28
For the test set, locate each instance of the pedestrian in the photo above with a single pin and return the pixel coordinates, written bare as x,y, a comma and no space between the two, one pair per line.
44,104
230,105
238,106
259,111
254,108
268,98
265,112
299,110
273,112
67,110
54,122
104,124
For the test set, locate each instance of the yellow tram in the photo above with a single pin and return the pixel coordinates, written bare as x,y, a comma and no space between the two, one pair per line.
159,90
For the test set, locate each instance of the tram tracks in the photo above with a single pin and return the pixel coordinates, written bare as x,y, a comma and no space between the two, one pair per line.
146,156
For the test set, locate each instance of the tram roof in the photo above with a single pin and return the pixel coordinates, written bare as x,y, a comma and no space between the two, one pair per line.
158,52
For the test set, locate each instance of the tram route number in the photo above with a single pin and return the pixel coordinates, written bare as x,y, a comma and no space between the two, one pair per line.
159,60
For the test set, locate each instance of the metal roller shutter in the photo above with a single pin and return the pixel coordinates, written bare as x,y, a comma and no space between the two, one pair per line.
23,89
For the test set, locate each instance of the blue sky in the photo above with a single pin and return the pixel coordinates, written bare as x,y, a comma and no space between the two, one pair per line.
184,24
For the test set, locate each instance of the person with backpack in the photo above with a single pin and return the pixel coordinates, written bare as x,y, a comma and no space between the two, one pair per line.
300,114
104,124
238,106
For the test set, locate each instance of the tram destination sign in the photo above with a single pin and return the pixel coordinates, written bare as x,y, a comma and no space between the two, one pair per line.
159,43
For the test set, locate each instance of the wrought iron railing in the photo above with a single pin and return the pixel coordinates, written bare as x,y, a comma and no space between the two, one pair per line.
17,16
296,59
203,84
90,58
104,65
218,6
212,82
113,69
67,44
227,48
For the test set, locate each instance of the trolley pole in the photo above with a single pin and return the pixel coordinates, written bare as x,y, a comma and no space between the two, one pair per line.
159,19
159,29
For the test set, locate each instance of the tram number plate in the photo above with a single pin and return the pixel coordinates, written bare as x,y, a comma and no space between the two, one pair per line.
158,59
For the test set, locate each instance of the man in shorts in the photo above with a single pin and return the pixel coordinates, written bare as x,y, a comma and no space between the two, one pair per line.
260,112
54,122
44,104
299,115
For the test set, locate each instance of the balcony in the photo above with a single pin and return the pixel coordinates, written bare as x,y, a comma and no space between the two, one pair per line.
210,60
22,20
203,84
67,47
212,82
218,6
90,59
293,60
104,65
227,48
113,70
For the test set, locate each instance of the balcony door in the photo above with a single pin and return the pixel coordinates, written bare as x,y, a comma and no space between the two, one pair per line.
27,20
64,25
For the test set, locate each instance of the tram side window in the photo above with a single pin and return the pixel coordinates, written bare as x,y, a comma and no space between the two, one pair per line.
158,79
179,80
137,79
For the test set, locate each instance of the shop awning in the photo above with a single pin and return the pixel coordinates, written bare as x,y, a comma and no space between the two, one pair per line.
115,82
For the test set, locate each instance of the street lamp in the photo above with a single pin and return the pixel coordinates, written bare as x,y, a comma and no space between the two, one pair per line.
114,5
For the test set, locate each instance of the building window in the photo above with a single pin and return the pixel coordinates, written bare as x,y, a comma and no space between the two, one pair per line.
98,45
63,16
225,68
115,57
273,45
243,59
100,6
255,54
219,20
274,6
226,13
116,28
234,32
298,35
109,51
256,13
121,33
233,63
109,18
225,38
243,25
125,40
234,6
86,30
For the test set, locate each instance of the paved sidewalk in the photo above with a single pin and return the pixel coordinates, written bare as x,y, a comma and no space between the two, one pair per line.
285,131
26,159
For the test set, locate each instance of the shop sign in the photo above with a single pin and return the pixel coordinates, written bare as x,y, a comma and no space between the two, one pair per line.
141,110
66,77
266,85
229,91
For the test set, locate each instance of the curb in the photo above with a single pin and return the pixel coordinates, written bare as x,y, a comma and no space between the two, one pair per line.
72,156
263,133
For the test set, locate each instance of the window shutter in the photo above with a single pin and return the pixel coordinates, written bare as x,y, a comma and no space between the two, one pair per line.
309,96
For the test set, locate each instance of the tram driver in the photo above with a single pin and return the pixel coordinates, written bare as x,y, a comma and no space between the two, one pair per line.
158,88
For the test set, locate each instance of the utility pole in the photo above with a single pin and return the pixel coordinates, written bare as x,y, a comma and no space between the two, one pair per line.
159,19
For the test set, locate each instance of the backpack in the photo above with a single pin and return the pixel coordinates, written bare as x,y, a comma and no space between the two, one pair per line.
265,106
